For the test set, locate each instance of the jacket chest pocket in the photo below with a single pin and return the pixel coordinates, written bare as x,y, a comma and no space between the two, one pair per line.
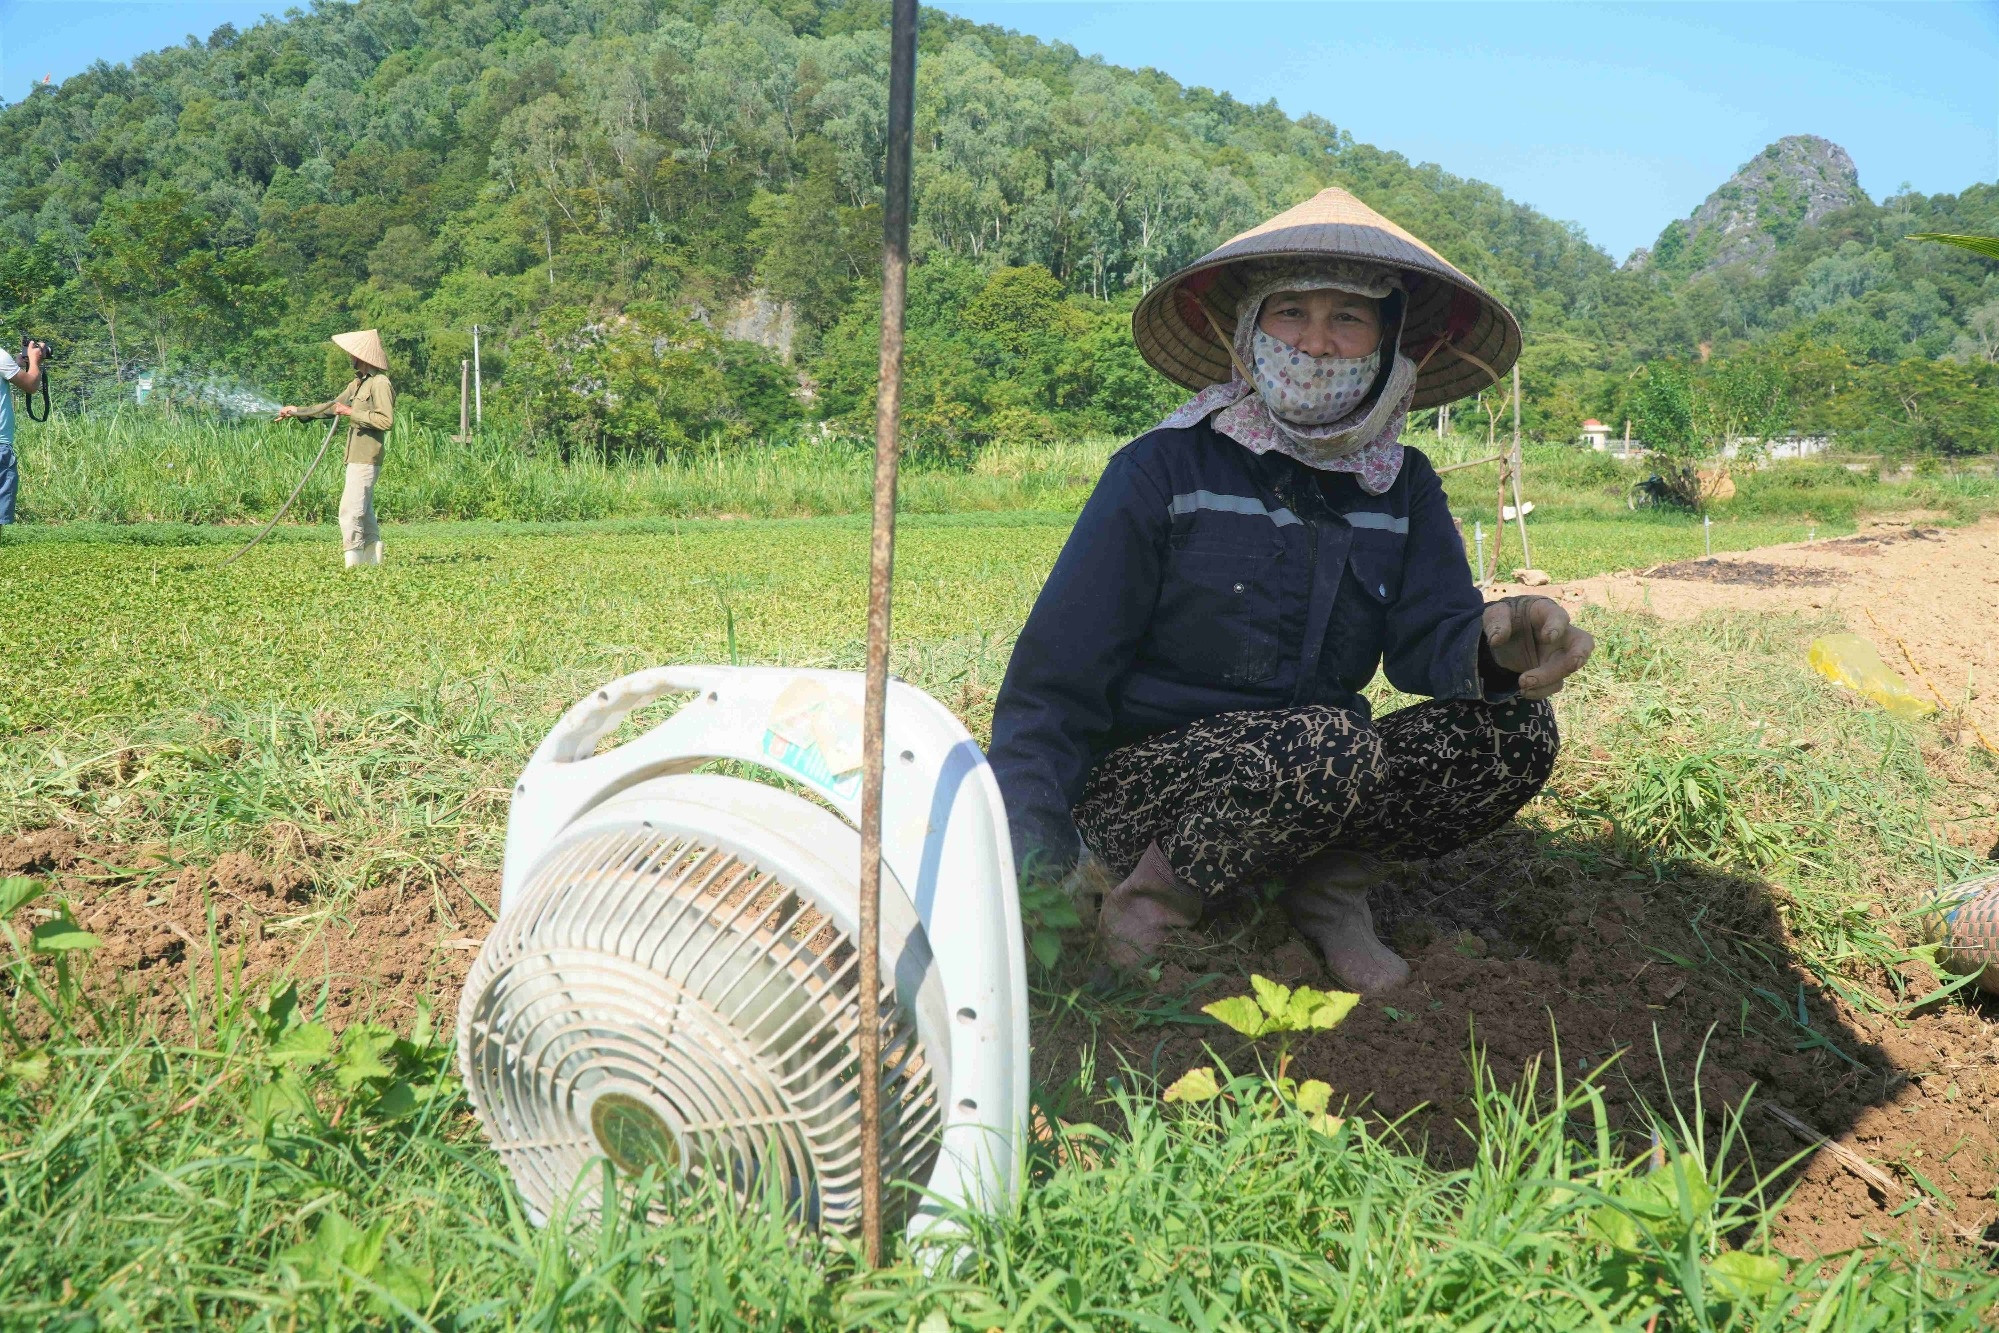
1375,561
1217,618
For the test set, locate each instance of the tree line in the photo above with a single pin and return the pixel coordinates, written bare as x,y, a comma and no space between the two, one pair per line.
665,216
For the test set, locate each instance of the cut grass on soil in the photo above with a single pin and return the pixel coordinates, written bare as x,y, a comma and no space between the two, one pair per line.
188,1158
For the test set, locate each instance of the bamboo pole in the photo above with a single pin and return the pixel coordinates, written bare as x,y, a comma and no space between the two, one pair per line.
1475,462
881,569
464,387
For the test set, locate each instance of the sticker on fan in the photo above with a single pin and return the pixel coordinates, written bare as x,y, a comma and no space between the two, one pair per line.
632,1134
816,735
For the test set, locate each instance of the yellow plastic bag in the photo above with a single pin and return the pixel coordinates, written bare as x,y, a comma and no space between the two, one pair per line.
1850,660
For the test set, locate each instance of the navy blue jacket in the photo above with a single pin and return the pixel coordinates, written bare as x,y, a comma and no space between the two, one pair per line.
1201,579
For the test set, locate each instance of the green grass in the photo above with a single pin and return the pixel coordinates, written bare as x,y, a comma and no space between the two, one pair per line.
143,468
138,468
154,616
227,1180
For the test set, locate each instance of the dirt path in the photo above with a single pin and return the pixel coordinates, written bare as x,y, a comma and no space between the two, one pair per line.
1902,585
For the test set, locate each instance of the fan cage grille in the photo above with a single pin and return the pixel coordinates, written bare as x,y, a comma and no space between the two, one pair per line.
650,974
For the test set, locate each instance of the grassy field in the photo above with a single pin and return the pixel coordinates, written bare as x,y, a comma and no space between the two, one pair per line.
153,616
204,1173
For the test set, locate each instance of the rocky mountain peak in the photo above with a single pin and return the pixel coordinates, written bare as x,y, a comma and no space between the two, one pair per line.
1785,188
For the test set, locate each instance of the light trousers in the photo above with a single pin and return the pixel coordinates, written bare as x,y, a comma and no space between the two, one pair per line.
358,529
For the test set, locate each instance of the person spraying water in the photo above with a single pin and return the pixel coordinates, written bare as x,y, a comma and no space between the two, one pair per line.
369,404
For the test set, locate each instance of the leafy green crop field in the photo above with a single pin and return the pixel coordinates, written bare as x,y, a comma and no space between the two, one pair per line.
247,1156
154,617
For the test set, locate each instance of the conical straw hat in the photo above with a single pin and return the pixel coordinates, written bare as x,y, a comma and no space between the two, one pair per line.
364,343
1462,337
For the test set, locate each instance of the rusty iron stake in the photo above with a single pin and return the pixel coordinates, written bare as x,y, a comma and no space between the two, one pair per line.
881,569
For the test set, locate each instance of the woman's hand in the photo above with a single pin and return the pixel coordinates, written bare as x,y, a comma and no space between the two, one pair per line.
287,412
343,410
1533,636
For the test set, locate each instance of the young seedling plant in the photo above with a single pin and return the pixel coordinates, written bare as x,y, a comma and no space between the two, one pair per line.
1275,1010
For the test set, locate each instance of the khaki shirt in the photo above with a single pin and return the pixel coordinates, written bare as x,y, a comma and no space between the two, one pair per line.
373,399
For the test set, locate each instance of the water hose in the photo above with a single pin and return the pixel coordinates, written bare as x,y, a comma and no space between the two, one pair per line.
285,508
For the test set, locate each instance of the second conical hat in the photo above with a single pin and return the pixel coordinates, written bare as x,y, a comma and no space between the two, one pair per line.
364,343
1460,333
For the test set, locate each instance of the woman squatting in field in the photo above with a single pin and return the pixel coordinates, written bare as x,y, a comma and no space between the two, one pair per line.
369,404
1184,705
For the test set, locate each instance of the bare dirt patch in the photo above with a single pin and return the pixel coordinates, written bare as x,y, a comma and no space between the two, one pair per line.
1518,951
173,931
1928,599
1748,573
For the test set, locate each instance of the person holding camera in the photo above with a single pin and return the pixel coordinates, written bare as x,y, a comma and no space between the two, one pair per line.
27,379
369,404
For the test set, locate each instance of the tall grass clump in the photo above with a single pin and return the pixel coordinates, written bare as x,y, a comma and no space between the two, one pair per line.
138,467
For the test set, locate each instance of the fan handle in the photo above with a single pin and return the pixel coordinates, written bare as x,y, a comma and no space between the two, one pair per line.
591,719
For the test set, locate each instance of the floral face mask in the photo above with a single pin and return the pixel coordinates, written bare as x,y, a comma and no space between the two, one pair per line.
1310,390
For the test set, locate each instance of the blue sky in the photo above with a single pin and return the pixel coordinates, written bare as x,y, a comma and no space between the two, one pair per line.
1618,117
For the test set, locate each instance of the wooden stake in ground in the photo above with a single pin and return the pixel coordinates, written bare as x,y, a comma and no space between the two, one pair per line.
881,569
464,390
1513,465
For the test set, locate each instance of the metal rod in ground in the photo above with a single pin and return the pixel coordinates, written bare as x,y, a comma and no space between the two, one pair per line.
881,569
478,383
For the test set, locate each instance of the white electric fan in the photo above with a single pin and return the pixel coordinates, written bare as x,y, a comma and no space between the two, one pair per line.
672,979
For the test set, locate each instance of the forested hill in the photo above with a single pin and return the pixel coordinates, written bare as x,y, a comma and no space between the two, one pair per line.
665,216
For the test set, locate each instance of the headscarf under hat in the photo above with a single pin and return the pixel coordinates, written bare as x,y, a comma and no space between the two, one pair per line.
1363,441
1460,337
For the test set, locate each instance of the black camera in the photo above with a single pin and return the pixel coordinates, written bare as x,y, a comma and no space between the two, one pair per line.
48,350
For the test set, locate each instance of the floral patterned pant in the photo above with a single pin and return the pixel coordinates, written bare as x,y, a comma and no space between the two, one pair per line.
1240,798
